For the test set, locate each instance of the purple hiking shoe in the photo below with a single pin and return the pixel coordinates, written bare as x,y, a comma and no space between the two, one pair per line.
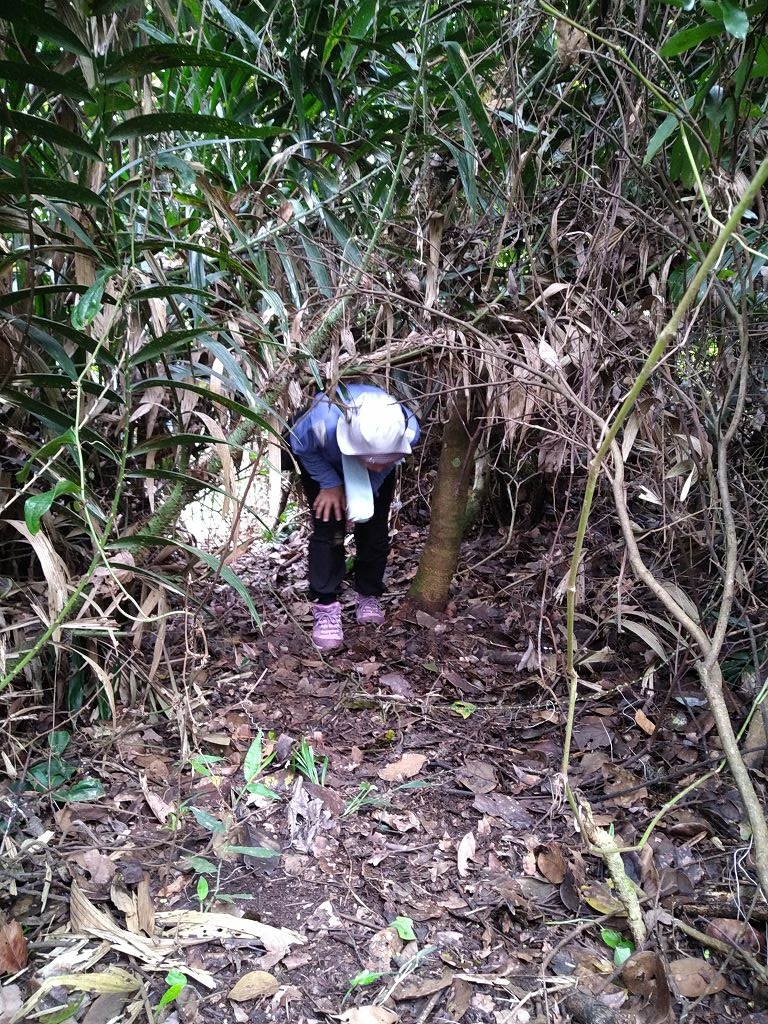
327,632
369,610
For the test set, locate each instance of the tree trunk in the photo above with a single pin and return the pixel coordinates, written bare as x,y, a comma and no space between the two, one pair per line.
431,585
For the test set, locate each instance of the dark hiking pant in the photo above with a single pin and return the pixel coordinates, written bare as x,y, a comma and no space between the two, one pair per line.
326,546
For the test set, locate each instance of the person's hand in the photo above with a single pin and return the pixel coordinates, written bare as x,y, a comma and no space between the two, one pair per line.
329,503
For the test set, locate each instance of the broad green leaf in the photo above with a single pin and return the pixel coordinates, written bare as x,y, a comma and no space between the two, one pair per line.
33,16
58,741
50,188
45,452
463,708
202,888
759,68
36,505
205,124
40,291
160,56
665,131
175,981
48,131
404,928
201,865
207,820
89,304
611,937
364,978
253,761
687,38
261,790
735,20
236,26
82,792
623,952
36,74
261,852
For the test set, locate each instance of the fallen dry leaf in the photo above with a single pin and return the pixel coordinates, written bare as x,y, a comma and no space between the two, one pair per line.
369,1015
252,985
644,974
408,766
113,980
735,933
159,807
384,946
644,722
13,948
499,805
694,978
107,1007
465,852
100,868
477,776
397,684
10,1003
551,863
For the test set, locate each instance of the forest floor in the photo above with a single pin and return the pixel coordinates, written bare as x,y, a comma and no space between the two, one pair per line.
420,862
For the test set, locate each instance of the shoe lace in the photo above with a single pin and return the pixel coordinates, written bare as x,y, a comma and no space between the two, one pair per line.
369,603
326,617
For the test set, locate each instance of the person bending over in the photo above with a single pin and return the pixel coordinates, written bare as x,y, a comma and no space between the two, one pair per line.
347,457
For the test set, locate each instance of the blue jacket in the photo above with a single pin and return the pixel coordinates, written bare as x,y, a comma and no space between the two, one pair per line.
312,438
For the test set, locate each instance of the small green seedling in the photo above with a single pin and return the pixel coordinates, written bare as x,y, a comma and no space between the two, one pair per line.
55,774
305,763
202,763
175,981
202,890
363,798
404,928
463,708
254,764
359,981
622,948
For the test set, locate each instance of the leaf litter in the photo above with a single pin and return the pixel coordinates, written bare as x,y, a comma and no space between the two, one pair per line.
274,883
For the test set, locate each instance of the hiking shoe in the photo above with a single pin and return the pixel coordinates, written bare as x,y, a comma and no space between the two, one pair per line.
327,632
369,610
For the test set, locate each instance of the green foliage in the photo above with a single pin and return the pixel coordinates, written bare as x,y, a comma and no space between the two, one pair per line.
54,775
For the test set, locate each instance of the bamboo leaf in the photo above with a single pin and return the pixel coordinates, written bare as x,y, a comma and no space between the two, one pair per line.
51,81
465,81
160,56
33,16
86,309
665,131
176,440
167,343
221,127
216,399
140,540
36,505
48,131
687,38
50,188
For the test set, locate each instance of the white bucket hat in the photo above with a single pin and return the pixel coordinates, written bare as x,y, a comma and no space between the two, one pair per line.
373,424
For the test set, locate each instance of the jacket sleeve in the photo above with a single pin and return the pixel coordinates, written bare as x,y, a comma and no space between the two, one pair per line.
412,430
313,442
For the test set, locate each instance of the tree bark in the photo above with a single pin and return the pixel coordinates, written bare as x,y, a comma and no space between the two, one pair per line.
430,589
